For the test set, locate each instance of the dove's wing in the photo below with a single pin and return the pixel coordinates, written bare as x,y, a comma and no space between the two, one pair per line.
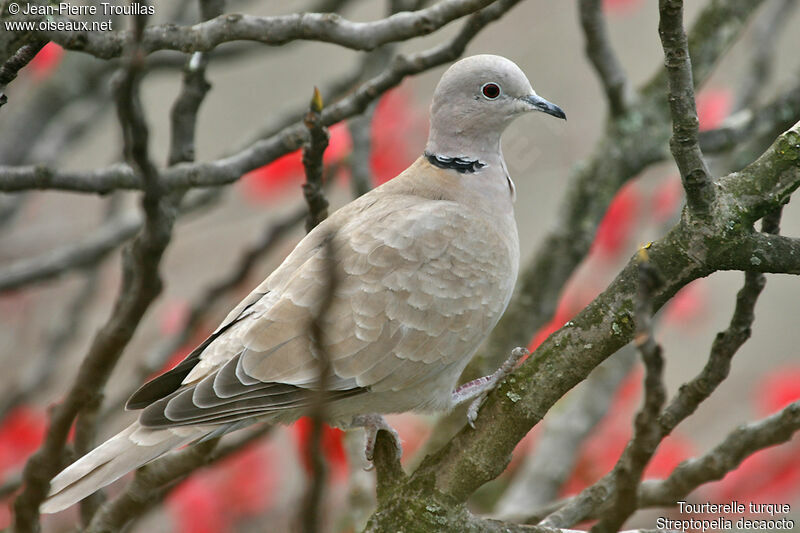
421,283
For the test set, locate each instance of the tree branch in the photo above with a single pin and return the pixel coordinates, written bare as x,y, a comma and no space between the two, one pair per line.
313,151
261,152
604,60
548,466
689,397
9,69
86,252
780,113
141,284
277,30
683,144
713,466
627,473
724,458
766,184
631,143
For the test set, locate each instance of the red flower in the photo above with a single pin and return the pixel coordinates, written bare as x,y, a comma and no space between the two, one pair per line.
713,105
21,433
331,444
173,316
617,225
46,60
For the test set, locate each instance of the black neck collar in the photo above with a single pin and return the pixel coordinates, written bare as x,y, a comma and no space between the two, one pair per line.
459,164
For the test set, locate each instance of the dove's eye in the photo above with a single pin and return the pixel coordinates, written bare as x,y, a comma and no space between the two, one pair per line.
490,90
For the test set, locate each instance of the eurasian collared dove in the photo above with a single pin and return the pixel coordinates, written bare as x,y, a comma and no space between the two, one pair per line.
425,263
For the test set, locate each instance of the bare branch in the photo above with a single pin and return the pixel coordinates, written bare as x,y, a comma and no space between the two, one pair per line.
312,162
324,27
780,113
140,286
628,148
628,471
724,458
9,69
230,169
766,184
601,54
684,145
766,31
689,397
84,253
548,466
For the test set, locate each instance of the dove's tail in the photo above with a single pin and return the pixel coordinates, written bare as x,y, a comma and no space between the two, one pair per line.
117,456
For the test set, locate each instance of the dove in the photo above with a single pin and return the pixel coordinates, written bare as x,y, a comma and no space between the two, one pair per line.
425,266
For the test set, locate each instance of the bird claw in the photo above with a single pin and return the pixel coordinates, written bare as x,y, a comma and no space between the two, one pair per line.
472,410
480,388
372,424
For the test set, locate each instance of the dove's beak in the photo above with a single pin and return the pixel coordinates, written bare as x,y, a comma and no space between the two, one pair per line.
538,103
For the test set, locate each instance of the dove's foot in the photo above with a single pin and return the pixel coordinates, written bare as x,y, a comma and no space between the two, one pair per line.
479,388
373,423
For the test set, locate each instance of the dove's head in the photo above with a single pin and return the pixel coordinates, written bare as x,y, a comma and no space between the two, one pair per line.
475,100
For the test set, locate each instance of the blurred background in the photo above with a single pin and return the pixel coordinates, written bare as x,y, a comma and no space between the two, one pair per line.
46,327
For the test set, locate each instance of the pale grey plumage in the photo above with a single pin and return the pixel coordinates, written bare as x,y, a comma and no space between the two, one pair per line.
426,265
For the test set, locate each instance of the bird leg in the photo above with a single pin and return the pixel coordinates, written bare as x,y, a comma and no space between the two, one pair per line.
372,423
481,387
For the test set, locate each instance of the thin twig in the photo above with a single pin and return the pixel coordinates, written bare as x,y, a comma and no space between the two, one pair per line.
141,284
763,43
81,254
725,457
689,396
628,471
685,124
313,151
230,169
9,69
312,162
277,30
601,54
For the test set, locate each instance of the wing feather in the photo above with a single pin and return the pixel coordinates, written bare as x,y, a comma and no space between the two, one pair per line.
420,284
